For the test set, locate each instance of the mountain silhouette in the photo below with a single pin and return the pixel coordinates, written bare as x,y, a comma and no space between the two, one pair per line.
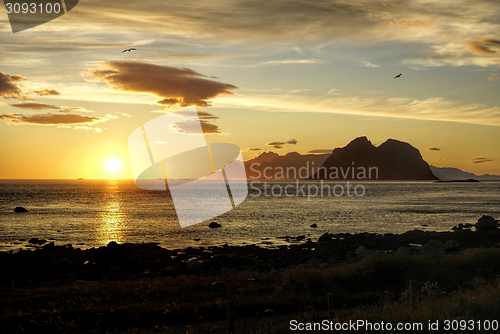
450,173
291,166
360,159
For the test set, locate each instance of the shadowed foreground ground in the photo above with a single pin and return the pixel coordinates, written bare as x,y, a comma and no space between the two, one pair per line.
147,289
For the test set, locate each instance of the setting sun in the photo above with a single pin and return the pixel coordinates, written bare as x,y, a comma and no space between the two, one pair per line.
113,165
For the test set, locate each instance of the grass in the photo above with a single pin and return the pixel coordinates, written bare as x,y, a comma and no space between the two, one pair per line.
462,286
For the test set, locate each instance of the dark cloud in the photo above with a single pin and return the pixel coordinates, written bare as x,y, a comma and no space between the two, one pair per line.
254,149
33,105
280,144
9,88
433,149
319,151
45,92
191,126
480,160
175,86
276,144
50,119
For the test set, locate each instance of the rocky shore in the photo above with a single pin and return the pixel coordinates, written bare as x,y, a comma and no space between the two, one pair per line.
52,265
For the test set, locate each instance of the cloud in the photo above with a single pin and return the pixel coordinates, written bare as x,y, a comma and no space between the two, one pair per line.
51,119
434,108
9,87
291,141
191,126
482,46
433,149
480,160
201,114
291,61
276,144
494,77
75,109
45,92
175,86
368,64
319,151
33,105
254,149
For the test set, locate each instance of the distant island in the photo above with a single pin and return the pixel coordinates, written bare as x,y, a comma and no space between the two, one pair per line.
455,174
359,160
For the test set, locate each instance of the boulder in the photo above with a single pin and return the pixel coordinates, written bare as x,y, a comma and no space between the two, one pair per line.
37,241
193,265
363,252
220,287
451,245
325,238
433,248
168,271
403,251
20,209
214,225
65,263
314,225
486,223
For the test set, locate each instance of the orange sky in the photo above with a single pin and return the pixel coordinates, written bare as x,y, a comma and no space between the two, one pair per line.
69,97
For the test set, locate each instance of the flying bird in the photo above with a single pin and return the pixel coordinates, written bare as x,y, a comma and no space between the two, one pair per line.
398,76
128,50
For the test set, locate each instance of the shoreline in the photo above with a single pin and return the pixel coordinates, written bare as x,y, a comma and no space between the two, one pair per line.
55,265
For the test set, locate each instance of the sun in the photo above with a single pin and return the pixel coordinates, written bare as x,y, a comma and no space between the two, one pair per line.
113,165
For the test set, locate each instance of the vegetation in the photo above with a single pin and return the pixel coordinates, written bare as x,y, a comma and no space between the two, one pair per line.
461,286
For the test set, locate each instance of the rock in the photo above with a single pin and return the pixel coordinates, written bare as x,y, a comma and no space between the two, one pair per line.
168,271
486,223
113,245
65,263
37,241
50,245
363,252
325,238
214,225
220,287
193,265
20,209
433,248
403,251
313,226
451,245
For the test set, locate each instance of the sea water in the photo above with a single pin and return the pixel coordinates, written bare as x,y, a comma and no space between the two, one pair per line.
91,213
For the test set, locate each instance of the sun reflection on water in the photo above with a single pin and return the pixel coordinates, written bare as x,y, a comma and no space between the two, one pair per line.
111,224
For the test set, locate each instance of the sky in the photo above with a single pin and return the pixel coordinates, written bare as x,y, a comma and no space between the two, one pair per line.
281,76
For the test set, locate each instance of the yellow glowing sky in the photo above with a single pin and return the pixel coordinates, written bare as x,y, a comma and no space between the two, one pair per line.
321,73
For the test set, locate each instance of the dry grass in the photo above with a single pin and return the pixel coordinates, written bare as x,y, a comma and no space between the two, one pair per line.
454,287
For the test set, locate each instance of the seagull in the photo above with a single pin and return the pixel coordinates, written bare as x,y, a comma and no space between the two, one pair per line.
398,76
128,50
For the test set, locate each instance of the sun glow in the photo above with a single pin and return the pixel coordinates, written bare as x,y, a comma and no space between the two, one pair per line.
113,165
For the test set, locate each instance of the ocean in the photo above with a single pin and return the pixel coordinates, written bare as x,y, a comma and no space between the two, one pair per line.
91,213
